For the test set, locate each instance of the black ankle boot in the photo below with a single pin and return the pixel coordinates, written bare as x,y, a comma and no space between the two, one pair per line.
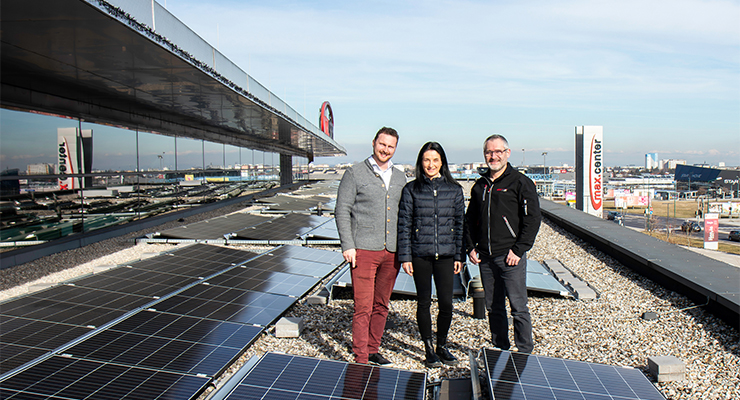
444,355
432,360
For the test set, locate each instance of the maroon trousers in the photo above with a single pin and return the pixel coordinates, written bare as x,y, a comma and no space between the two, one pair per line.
372,282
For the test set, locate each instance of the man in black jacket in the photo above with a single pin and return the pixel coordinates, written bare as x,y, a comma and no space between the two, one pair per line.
501,225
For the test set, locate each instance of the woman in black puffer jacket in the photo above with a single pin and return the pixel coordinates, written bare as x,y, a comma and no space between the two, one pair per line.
430,243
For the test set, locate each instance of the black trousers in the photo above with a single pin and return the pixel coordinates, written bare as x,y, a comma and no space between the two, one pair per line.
500,281
443,271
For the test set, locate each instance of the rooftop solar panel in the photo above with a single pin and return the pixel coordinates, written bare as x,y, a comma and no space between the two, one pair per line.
288,227
308,253
525,376
265,281
41,334
13,356
61,312
539,279
170,343
224,304
35,324
69,293
193,331
176,265
405,284
291,266
284,376
217,254
70,378
327,231
136,281
214,228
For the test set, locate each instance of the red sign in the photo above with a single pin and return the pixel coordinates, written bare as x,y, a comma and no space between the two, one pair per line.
711,228
326,120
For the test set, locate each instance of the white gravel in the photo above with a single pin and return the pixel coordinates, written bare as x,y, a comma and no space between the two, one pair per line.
608,330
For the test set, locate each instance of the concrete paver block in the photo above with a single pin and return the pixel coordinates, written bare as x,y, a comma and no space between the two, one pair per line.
585,294
289,327
667,368
322,297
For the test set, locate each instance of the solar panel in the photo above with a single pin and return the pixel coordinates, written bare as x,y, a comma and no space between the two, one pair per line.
224,304
284,376
539,279
35,324
136,281
214,228
265,281
319,188
405,284
180,327
291,266
197,331
22,339
70,378
61,312
524,376
71,294
308,253
216,254
168,342
288,227
287,203
327,231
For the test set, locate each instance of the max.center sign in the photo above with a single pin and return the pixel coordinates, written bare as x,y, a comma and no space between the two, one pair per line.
589,169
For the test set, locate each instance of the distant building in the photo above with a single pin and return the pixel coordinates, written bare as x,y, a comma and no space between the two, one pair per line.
40,169
671,163
651,161
10,187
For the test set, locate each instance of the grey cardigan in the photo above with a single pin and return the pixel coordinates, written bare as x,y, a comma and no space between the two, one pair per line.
367,214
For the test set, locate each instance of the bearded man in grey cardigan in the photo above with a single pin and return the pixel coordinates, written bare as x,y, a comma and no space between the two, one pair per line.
367,218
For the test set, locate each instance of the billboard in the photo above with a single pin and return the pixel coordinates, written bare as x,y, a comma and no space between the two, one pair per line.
68,159
589,169
711,231
74,156
687,173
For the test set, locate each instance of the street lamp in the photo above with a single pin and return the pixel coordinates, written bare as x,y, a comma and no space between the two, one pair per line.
160,156
544,161
522,157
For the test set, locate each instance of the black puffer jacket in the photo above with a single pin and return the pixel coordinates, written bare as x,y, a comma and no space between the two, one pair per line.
502,215
430,220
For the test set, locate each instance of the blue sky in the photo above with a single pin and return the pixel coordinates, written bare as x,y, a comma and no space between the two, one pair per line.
660,76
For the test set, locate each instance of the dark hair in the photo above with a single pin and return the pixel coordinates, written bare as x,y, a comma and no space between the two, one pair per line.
444,171
386,131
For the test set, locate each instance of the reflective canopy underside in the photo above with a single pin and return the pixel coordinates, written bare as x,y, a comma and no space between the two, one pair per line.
70,58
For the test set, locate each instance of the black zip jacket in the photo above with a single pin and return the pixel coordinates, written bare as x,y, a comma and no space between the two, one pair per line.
430,220
502,215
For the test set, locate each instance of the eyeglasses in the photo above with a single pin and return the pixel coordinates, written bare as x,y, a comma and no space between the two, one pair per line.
499,153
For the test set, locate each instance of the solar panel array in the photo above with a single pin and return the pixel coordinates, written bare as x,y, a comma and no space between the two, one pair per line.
287,227
525,376
160,323
287,203
319,188
214,228
284,376
405,284
539,279
239,226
